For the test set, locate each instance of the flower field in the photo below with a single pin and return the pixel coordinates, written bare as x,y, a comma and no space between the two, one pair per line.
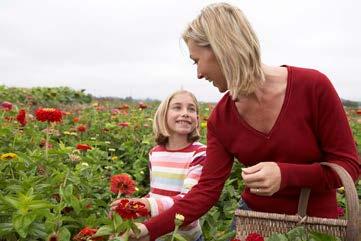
59,149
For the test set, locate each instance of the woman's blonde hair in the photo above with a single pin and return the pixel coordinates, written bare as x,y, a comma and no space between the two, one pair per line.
160,126
225,29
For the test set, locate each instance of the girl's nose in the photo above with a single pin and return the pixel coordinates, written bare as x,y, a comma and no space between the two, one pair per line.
185,113
200,75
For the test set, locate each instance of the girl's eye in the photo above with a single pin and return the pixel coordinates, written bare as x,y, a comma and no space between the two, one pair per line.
195,61
192,110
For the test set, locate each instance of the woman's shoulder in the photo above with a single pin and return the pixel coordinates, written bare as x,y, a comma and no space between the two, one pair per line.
223,106
307,74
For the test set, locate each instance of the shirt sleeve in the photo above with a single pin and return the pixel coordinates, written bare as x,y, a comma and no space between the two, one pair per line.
160,204
202,196
335,141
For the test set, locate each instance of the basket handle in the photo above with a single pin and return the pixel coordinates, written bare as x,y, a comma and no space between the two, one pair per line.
351,200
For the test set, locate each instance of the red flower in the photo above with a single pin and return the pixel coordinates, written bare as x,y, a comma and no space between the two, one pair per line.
81,128
254,237
142,105
122,183
235,239
123,124
48,114
358,112
131,210
7,106
83,147
85,234
21,117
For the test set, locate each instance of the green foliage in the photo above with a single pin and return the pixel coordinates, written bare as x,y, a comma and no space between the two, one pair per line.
70,189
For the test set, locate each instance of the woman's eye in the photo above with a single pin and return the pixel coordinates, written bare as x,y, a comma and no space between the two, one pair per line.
195,62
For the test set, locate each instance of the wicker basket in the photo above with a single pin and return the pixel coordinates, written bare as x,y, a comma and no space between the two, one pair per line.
268,223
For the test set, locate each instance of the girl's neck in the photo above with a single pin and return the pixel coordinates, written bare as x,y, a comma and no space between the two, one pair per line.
177,142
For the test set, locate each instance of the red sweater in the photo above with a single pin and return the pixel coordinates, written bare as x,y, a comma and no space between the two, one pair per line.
312,127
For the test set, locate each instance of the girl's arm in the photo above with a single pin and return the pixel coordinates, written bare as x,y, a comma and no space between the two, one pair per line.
160,204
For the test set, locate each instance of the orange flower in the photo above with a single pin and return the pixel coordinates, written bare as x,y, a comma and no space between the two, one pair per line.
142,105
21,117
76,119
122,183
131,209
48,114
83,147
85,234
123,107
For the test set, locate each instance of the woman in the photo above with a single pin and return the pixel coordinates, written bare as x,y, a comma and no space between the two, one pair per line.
280,122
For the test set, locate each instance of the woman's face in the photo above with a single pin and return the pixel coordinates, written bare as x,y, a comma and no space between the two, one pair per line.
207,65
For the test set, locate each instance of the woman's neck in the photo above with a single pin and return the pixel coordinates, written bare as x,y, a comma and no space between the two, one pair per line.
177,142
275,81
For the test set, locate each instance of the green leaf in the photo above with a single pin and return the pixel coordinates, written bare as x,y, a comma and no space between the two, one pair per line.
316,236
179,237
227,236
22,222
104,231
64,234
277,237
74,202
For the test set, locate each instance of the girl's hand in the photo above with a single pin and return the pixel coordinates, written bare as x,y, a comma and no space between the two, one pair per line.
263,179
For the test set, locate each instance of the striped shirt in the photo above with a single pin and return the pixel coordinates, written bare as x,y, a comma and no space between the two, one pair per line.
173,173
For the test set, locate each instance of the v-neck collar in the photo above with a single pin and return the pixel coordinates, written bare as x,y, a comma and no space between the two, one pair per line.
280,115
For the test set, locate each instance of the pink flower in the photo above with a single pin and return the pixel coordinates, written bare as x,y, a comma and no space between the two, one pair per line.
7,106
340,212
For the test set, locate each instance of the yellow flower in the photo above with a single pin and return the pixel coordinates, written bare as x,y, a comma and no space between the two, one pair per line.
204,124
179,219
114,158
8,156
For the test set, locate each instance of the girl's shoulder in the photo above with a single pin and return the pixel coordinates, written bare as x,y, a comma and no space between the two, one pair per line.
156,149
198,147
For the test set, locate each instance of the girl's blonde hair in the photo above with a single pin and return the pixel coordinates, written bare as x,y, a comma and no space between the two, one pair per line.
225,29
160,126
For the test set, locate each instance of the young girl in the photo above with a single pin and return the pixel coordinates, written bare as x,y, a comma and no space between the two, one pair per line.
176,162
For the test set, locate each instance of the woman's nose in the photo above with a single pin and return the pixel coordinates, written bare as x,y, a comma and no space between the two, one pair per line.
200,75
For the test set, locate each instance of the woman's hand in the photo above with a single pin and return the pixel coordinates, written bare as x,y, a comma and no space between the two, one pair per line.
142,236
263,179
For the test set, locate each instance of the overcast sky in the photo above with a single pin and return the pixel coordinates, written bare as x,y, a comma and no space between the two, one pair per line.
133,48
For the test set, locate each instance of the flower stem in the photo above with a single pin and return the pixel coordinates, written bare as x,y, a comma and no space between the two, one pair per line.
47,141
174,232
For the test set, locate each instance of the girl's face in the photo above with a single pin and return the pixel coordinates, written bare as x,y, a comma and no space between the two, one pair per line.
207,65
182,117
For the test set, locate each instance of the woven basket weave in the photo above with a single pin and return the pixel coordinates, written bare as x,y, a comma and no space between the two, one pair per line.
268,223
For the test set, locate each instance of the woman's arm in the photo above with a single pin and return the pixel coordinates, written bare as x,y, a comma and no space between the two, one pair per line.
335,141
